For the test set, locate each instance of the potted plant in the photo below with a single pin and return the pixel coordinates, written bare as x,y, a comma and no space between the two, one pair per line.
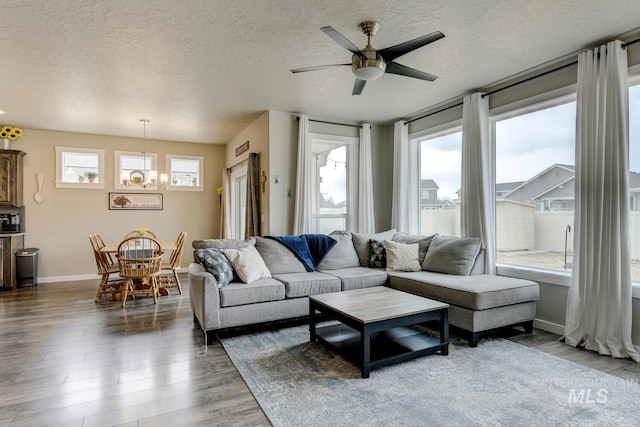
91,176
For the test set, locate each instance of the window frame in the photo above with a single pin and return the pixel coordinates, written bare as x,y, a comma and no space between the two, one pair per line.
415,142
117,165
170,187
60,183
352,145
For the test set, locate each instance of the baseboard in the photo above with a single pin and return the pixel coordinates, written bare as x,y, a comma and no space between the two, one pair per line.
549,326
74,278
78,277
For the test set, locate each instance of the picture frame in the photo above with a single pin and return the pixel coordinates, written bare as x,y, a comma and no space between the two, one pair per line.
135,201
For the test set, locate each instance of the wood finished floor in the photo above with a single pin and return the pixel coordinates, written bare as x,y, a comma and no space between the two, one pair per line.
67,361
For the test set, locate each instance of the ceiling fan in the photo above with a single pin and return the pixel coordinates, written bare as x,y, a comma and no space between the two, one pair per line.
370,63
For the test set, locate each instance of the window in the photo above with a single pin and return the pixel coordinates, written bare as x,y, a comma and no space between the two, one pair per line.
334,178
440,181
79,168
535,181
133,170
634,176
185,173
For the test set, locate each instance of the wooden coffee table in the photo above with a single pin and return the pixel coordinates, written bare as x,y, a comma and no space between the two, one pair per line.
374,328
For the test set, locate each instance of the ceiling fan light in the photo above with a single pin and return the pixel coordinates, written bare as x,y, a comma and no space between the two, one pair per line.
368,69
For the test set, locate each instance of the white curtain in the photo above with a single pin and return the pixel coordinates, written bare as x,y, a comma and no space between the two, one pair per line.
599,303
406,179
225,205
478,199
366,220
304,191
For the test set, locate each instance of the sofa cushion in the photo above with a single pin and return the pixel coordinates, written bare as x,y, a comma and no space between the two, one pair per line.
359,277
342,255
479,292
277,257
378,254
451,255
402,257
216,263
308,283
247,264
362,246
261,290
222,243
422,241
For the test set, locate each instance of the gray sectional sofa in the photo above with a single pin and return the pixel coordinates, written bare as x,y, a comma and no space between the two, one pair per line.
450,270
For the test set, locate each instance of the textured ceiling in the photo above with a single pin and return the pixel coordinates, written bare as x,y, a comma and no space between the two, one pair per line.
203,70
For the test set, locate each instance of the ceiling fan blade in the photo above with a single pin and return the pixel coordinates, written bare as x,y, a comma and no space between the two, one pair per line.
358,86
401,70
393,52
342,41
317,67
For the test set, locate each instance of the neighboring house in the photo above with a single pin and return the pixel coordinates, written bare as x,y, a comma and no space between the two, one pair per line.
429,196
550,190
506,187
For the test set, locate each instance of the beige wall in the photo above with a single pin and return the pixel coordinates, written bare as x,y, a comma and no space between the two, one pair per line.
61,225
258,136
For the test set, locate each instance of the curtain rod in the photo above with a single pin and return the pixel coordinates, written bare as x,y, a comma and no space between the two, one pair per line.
562,67
238,164
331,123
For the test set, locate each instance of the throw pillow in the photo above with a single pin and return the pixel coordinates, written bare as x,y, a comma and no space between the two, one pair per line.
362,246
401,256
378,254
452,255
247,263
423,241
277,257
342,255
216,263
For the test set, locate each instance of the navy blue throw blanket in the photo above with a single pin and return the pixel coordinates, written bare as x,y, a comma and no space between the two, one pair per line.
308,248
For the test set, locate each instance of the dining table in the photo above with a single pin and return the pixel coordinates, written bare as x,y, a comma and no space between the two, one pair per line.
165,246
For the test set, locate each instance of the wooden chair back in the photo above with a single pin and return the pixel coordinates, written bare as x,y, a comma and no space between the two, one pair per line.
176,255
139,257
102,261
141,232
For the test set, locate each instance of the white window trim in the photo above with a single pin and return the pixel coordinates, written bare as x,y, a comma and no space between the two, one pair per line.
117,182
84,185
352,175
170,187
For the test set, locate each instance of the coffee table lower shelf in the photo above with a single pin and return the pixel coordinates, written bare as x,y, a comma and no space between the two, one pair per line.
387,347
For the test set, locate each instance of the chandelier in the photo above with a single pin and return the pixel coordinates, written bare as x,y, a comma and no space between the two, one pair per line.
145,177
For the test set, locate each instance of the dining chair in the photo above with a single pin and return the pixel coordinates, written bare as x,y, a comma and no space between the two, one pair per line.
139,259
140,232
169,269
105,268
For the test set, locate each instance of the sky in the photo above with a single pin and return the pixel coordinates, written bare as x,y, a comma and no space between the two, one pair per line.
525,146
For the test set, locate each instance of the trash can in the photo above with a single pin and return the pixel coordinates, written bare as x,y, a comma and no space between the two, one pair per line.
27,267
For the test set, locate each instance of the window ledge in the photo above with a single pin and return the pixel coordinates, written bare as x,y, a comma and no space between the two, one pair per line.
559,278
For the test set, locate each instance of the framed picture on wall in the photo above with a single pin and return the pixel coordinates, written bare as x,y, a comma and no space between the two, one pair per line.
135,201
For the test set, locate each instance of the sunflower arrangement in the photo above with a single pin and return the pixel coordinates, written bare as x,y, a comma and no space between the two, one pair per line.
10,132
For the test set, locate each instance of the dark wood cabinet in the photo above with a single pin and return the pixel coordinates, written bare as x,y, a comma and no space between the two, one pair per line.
9,244
11,180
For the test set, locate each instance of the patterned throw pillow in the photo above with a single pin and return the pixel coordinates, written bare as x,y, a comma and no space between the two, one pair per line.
214,261
378,254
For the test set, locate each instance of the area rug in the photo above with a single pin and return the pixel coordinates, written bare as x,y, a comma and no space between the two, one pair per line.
499,383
